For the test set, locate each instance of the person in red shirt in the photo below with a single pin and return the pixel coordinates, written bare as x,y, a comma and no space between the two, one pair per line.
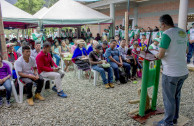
47,68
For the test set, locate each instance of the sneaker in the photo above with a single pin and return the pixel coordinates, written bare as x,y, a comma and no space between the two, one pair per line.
111,85
39,97
8,104
62,94
107,86
1,103
54,88
30,101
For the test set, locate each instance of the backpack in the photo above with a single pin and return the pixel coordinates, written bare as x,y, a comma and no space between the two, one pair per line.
123,76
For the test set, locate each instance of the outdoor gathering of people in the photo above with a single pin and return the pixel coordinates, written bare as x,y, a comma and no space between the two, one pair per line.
120,59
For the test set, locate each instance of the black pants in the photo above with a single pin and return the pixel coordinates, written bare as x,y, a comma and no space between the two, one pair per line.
134,68
29,84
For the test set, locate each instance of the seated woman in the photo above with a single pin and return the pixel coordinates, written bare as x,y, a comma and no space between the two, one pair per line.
66,55
5,74
80,57
55,51
96,60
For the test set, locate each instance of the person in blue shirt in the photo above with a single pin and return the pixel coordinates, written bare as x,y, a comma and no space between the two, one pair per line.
80,57
114,58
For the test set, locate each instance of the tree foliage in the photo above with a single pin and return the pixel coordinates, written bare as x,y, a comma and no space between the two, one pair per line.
30,6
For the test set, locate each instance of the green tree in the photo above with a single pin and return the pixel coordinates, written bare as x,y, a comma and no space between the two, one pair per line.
30,6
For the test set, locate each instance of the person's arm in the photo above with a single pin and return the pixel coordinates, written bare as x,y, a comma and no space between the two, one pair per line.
40,64
113,60
93,62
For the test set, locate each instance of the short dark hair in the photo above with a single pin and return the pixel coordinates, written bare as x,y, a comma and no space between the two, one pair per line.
46,45
123,39
26,47
166,19
113,40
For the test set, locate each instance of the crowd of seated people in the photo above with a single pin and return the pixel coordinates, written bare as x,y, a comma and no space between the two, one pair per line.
34,62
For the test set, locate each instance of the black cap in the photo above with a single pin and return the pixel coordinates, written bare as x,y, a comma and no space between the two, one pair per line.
99,46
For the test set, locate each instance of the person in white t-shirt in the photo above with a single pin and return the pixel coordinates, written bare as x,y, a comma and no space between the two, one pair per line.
27,71
191,44
172,52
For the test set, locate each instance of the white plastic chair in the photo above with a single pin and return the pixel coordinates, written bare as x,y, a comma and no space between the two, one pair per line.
62,64
12,83
96,76
77,70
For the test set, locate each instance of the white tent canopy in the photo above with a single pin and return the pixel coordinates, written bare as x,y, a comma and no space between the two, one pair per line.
40,13
69,12
11,13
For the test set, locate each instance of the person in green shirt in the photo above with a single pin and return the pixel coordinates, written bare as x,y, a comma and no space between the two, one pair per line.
142,33
122,33
131,33
136,30
155,44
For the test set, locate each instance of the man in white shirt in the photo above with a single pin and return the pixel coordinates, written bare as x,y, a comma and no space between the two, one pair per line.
191,44
173,48
23,67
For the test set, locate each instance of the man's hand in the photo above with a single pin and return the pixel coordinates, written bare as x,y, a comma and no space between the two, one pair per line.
100,62
32,77
37,77
120,64
55,69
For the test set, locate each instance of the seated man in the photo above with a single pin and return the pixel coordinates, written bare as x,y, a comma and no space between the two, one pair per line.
24,66
123,49
96,59
37,49
47,68
115,60
5,74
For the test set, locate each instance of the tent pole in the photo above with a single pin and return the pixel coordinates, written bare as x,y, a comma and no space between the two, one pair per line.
3,48
127,24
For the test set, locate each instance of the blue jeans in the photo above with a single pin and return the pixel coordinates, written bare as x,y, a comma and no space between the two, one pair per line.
103,75
115,67
8,87
57,58
171,91
190,53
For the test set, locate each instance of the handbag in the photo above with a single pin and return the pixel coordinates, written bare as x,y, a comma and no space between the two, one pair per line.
104,65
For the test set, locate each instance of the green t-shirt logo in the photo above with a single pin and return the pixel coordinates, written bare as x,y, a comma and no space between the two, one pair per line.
182,34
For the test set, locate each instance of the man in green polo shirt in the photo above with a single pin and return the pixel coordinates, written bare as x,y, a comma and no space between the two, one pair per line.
172,52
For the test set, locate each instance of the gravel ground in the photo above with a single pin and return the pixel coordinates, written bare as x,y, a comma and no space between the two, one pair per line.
89,105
